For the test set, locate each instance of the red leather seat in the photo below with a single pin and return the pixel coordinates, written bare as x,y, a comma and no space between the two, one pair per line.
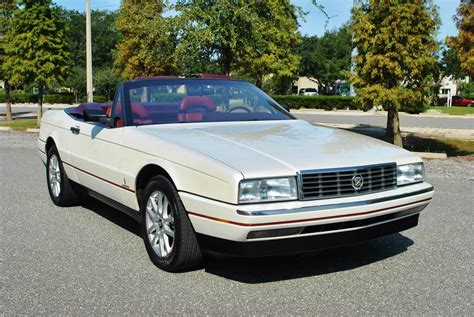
192,108
139,112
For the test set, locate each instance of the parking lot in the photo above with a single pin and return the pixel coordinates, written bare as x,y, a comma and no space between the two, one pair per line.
91,260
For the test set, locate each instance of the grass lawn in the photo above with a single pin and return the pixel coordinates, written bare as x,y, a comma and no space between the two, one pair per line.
19,124
458,111
417,143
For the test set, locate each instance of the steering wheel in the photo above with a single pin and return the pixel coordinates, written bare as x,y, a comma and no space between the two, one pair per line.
239,108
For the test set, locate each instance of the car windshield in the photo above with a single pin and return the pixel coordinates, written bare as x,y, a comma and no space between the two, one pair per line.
199,100
310,90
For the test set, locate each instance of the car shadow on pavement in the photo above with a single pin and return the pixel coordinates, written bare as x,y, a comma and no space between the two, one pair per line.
113,215
271,269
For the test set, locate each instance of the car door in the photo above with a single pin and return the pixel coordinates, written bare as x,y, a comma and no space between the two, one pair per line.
94,152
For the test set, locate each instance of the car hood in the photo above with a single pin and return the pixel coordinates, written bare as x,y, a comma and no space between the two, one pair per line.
278,148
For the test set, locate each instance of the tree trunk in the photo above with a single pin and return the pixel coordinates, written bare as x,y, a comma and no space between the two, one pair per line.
259,82
226,60
40,104
8,100
395,134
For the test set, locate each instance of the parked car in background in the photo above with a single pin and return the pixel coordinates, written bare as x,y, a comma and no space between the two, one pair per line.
457,101
308,92
215,164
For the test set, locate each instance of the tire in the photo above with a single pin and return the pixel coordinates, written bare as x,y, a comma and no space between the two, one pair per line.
166,229
62,191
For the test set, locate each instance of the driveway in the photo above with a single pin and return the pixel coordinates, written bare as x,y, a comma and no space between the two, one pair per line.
90,260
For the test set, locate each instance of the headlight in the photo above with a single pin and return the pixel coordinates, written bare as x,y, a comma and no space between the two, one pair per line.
410,173
271,189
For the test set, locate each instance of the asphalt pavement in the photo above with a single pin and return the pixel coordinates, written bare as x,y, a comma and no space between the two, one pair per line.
380,120
90,260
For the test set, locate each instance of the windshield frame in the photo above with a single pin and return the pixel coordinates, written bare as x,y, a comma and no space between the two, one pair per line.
129,85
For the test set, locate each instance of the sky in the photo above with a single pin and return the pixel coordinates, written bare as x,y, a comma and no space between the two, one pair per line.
315,21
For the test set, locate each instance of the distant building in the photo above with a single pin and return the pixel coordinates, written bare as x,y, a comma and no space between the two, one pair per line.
450,86
305,82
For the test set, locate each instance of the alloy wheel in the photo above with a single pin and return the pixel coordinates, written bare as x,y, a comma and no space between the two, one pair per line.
54,175
160,224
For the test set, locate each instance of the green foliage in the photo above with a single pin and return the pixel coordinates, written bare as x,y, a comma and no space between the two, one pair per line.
463,43
450,64
76,81
317,102
467,90
396,47
105,82
105,37
97,98
20,98
149,39
59,98
7,7
253,37
327,58
37,44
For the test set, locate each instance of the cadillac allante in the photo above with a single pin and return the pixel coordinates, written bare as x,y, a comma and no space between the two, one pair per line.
214,164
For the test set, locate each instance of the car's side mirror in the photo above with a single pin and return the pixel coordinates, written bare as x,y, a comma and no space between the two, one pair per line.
286,107
93,115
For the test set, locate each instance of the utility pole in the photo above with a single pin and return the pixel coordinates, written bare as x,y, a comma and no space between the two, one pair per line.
90,95
355,4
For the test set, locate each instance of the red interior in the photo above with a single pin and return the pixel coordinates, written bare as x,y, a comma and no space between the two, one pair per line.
190,109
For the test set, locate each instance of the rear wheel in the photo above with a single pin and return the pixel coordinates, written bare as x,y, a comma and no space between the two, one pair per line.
61,190
166,230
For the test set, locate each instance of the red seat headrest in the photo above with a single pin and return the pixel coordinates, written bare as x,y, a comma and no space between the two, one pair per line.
189,102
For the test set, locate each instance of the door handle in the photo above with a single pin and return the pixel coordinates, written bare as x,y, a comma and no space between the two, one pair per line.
75,130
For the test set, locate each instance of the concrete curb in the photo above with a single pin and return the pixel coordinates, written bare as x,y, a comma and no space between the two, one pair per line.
432,156
6,129
33,130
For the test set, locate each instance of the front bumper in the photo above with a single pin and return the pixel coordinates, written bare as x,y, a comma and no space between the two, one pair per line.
303,219
306,244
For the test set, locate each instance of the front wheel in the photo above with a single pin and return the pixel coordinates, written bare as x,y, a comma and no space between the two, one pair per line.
166,229
61,190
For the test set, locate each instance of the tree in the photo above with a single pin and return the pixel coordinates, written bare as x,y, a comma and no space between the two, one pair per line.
327,58
396,52
76,82
274,41
105,36
220,28
463,44
253,37
38,46
105,82
7,8
450,64
149,39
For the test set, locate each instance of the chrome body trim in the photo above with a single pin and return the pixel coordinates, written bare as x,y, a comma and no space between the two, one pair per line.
332,206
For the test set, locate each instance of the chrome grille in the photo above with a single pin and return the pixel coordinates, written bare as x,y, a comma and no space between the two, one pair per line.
329,183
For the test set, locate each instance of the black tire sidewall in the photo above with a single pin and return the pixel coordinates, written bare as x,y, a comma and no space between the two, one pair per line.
161,183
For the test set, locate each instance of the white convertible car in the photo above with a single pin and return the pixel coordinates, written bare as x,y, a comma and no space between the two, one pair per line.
214,164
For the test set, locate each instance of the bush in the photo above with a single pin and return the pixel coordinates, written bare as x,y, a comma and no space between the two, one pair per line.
59,98
97,98
317,102
414,108
20,98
